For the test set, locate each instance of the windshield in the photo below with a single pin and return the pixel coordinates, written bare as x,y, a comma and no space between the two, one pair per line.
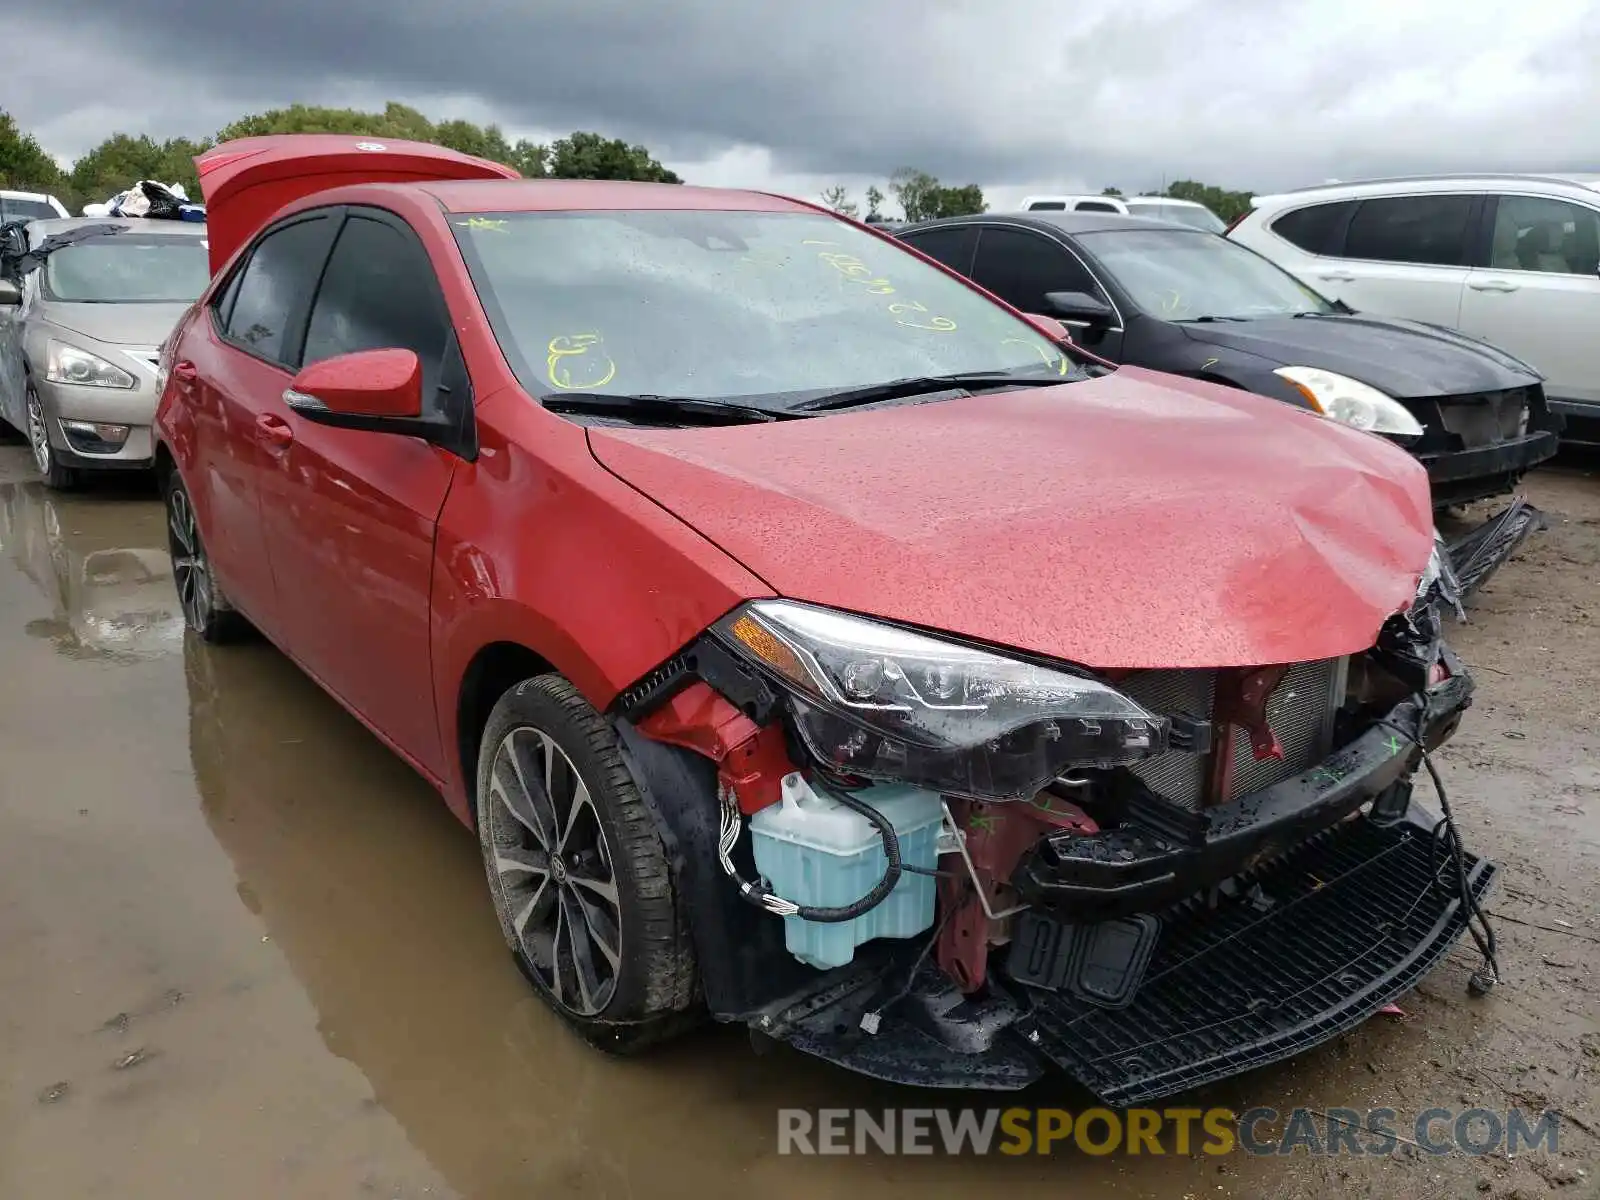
1180,276
129,269
1184,214
719,305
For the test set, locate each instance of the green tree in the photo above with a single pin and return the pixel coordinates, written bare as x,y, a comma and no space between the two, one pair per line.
122,160
1225,203
923,197
24,165
838,199
1111,191
874,201
590,156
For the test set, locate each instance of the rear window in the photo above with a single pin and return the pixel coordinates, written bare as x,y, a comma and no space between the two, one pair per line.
1194,215
12,209
1048,206
1426,230
1314,229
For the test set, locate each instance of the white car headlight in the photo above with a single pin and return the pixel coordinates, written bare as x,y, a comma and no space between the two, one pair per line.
68,364
884,702
1351,402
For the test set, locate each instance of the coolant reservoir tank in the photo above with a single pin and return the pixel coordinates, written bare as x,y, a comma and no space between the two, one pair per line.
815,851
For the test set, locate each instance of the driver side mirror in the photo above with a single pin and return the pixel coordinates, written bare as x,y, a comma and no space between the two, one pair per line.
1079,307
351,391
10,294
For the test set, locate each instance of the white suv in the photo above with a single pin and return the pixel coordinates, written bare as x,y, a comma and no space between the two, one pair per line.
1512,259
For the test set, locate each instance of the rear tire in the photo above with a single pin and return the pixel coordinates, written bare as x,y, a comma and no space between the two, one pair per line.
578,873
206,609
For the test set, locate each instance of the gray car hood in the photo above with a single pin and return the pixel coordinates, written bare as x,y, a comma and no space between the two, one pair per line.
116,324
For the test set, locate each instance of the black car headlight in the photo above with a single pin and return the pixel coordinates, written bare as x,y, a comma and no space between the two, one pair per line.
884,702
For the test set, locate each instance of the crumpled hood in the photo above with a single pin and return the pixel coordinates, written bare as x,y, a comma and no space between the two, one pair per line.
1406,359
117,324
1138,520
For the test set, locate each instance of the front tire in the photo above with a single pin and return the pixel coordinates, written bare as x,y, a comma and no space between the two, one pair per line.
578,873
206,609
56,476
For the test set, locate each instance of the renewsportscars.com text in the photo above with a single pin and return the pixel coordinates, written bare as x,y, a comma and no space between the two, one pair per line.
1151,1131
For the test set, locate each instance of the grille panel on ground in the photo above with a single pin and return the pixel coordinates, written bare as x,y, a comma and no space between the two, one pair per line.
1358,920
1300,711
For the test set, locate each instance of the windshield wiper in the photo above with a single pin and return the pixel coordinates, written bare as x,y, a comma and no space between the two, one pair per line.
1208,318
921,385
683,410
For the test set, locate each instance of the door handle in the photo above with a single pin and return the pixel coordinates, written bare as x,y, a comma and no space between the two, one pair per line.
1336,276
185,371
1493,285
273,430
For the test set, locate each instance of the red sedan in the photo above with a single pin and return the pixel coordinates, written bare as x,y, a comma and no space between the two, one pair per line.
814,641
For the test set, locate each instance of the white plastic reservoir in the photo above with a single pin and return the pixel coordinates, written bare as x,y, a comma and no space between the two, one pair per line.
814,850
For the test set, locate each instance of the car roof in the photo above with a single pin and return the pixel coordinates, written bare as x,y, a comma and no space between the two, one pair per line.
575,195
49,226
1064,222
1456,182
12,194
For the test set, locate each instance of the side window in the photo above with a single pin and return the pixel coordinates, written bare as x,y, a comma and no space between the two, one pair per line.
950,244
1020,267
275,286
1314,229
1048,206
1429,230
1553,236
379,292
1095,206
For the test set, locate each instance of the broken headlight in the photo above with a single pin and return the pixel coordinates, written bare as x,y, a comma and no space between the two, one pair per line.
884,702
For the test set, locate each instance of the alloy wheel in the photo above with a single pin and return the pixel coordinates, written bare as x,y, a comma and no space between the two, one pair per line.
189,569
553,868
38,434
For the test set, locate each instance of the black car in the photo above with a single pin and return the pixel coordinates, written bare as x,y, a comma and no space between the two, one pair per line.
1171,298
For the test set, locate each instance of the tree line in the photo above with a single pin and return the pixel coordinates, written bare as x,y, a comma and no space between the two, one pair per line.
124,158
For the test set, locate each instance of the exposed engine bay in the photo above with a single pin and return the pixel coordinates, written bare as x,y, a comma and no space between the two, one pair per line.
944,864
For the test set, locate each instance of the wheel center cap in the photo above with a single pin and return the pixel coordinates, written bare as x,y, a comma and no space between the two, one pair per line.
558,868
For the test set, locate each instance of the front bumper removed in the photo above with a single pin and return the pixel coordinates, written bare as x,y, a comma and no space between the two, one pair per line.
1293,919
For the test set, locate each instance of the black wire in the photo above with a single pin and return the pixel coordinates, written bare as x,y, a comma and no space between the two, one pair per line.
916,966
755,893
1455,853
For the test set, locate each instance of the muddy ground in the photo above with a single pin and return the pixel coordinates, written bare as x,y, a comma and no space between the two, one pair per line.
244,952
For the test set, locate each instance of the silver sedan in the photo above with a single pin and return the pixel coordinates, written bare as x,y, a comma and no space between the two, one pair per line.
81,323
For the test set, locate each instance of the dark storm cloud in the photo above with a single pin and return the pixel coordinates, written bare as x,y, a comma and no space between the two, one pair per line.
1003,92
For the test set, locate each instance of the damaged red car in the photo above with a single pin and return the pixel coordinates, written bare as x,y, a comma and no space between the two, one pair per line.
814,642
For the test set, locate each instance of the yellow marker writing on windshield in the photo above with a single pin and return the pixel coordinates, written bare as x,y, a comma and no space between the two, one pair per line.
573,367
483,223
1059,361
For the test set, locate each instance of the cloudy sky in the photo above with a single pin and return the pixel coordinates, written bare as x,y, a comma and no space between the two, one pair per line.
1018,95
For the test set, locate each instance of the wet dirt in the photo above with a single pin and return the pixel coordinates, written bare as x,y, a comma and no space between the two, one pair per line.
245,952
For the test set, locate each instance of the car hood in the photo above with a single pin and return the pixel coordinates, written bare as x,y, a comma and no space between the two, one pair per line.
1138,520
117,324
1405,359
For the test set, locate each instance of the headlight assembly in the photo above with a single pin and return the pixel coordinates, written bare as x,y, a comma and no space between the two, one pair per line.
1351,402
883,702
68,364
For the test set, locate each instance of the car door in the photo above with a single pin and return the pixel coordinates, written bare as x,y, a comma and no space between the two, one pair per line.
1022,265
1403,256
13,243
1538,296
230,370
350,515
